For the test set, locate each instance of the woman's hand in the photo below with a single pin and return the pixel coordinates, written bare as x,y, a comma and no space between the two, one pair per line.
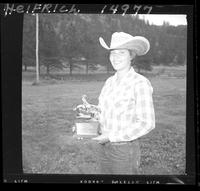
102,139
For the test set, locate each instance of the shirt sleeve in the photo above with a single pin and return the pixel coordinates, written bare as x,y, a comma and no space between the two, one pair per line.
144,119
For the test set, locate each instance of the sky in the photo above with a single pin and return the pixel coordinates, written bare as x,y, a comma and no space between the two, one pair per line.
157,19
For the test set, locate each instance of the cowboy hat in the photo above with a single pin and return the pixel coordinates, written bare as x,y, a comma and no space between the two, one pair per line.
121,40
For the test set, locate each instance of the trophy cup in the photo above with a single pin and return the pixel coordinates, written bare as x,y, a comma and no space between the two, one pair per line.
86,122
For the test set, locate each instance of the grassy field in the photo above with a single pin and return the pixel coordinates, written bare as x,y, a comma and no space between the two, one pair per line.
47,118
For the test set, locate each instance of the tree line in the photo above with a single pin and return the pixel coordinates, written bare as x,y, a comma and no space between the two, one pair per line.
69,40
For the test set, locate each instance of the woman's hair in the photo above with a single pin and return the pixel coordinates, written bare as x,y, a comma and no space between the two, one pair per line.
132,54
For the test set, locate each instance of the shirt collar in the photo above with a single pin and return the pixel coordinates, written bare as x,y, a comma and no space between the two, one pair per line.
127,75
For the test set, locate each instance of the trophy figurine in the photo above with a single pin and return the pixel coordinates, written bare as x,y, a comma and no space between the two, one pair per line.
87,119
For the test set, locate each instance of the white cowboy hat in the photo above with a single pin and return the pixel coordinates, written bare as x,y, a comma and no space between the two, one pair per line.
121,40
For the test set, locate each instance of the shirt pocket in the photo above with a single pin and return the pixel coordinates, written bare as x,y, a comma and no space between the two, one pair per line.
124,105
121,103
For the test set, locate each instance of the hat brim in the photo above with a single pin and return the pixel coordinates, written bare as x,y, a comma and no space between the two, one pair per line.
138,44
103,44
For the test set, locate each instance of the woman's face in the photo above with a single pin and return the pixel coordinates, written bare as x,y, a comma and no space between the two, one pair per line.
120,59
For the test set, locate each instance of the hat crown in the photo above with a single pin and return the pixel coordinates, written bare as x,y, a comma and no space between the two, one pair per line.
120,38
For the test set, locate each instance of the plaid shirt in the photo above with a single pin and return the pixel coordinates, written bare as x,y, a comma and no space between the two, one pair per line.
127,110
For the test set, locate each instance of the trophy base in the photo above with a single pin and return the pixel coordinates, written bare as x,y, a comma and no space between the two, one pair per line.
84,136
87,128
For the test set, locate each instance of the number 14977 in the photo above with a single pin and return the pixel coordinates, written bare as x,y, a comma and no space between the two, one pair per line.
126,8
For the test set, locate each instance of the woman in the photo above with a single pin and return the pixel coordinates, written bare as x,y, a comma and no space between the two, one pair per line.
126,105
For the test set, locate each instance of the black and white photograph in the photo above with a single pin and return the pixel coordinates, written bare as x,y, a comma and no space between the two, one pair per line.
104,93
142,109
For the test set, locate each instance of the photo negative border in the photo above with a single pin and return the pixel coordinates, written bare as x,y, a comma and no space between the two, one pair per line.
11,58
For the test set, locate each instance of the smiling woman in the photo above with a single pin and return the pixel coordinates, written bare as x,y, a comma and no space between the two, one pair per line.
120,58
126,106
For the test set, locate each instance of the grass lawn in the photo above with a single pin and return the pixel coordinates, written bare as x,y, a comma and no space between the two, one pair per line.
47,118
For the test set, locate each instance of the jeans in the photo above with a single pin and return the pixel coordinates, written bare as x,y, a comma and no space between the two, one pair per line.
119,158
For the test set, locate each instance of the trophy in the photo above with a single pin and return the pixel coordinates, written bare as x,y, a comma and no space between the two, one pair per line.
87,119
